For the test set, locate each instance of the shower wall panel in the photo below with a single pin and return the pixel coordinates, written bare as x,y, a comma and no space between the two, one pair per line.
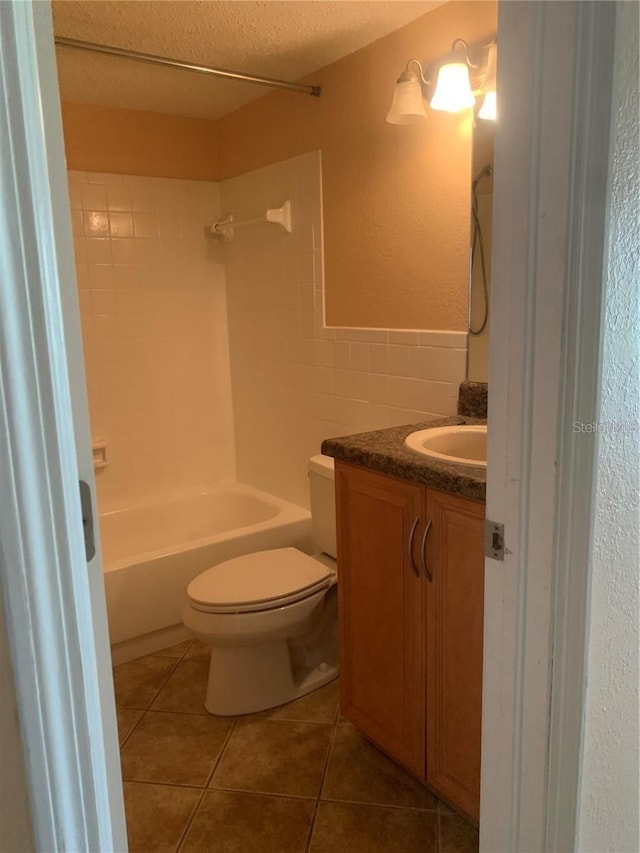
153,305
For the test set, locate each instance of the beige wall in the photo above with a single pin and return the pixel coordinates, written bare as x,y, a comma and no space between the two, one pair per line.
396,199
134,142
608,810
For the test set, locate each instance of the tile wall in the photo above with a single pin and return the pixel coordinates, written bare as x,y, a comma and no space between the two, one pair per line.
294,381
154,322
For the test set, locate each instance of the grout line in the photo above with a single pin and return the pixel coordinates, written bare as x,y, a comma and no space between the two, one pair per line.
206,788
322,781
166,784
180,713
336,719
381,805
135,726
327,760
163,685
170,657
148,708
252,793
190,821
222,751
262,716
187,650
258,716
165,682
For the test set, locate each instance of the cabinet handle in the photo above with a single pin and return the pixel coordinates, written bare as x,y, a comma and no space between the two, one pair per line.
423,554
415,569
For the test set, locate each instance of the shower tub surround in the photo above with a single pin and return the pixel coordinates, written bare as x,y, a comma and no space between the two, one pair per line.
154,327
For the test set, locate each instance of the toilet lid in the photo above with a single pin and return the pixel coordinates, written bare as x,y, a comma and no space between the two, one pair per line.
258,581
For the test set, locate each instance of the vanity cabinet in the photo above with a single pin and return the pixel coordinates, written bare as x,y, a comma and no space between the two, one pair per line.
454,594
411,589
381,612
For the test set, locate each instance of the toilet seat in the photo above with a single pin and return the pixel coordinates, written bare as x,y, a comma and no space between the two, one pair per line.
264,580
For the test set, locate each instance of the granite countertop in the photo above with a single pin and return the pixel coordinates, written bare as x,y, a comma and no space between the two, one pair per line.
384,451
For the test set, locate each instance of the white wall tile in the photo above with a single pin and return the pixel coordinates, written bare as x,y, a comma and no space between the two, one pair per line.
155,334
399,359
442,339
324,353
342,354
378,388
359,356
342,380
94,197
359,385
402,336
378,358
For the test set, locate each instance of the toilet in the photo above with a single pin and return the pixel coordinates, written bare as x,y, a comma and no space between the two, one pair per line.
271,617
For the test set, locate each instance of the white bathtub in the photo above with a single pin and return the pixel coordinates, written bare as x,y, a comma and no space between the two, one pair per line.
151,552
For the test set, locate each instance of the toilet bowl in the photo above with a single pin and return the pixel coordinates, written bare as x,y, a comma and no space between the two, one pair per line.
271,617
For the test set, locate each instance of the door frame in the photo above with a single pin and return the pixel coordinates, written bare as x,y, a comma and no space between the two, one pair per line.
53,599
553,74
549,236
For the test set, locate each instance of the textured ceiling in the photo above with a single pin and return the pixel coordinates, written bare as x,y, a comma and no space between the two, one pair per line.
274,38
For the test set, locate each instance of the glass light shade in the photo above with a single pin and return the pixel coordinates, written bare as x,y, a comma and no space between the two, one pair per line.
453,88
407,106
488,110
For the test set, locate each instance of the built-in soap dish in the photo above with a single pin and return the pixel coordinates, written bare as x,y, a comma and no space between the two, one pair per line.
99,450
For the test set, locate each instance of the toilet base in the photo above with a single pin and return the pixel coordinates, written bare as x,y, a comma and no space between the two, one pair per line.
243,680
262,660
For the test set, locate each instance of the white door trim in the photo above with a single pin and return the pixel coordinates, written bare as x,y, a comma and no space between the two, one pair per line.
54,611
549,235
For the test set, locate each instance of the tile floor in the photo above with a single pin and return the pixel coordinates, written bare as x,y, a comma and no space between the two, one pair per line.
297,778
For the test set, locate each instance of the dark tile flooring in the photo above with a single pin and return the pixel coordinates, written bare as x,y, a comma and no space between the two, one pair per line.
294,779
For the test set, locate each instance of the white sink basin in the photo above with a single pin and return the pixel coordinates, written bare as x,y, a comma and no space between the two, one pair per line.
461,445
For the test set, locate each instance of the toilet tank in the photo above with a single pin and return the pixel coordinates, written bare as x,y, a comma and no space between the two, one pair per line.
323,503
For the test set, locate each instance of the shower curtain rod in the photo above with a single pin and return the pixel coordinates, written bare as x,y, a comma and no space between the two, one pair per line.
188,66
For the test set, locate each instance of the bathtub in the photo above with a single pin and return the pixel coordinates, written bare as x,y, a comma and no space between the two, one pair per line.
151,552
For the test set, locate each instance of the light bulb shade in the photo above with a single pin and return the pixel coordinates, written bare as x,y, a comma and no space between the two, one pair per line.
488,110
489,82
407,106
453,88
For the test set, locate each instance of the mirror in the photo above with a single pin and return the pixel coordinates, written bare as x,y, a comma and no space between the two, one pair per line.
480,250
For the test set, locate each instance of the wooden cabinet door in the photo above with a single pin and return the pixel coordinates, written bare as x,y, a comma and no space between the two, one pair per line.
454,597
381,603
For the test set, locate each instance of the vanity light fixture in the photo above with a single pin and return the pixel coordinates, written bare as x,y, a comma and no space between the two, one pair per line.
407,106
453,92
488,110
453,88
